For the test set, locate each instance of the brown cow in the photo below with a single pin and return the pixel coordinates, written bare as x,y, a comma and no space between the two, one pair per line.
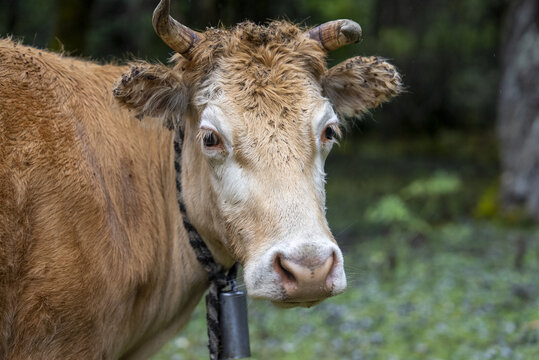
94,260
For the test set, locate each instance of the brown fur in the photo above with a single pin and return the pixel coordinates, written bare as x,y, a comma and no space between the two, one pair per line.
153,91
92,264
361,83
93,261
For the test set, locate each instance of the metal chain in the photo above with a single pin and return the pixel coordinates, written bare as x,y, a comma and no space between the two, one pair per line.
219,278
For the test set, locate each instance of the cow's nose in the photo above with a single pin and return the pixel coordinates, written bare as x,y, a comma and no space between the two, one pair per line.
306,279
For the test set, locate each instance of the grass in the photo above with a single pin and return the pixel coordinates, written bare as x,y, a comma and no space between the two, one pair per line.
457,287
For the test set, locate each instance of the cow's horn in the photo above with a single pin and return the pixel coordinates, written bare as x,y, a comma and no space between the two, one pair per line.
179,37
335,34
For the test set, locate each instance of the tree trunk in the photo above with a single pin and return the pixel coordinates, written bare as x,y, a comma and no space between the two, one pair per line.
518,108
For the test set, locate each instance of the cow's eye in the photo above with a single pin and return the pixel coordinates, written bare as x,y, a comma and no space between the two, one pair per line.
211,139
330,133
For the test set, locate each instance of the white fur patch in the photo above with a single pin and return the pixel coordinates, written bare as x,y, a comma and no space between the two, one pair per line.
228,178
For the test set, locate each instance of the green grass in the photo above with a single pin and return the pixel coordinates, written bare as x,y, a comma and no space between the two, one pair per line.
447,290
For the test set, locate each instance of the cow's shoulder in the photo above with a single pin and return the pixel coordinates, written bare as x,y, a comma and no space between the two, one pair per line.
81,182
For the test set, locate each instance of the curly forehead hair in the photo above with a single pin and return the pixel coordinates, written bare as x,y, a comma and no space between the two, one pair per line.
247,43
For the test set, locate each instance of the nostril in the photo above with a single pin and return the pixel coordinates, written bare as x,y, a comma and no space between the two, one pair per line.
282,270
331,273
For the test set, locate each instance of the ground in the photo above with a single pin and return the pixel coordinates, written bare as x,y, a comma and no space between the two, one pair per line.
435,270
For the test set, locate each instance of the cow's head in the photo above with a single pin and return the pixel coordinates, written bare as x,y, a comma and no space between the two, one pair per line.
260,112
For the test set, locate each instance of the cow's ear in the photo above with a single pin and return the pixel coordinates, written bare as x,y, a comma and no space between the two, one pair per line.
153,90
359,84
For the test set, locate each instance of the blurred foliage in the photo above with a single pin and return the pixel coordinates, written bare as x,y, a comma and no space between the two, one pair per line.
435,197
440,184
445,49
392,212
488,206
424,199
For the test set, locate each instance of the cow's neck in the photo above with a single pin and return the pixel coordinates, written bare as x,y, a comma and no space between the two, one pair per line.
183,279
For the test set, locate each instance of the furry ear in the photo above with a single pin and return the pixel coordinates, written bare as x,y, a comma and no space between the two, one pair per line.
155,91
360,83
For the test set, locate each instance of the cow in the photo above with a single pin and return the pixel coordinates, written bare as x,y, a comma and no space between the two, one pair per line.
95,261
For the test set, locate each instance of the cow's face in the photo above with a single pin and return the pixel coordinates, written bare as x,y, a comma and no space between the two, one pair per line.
264,153
259,112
